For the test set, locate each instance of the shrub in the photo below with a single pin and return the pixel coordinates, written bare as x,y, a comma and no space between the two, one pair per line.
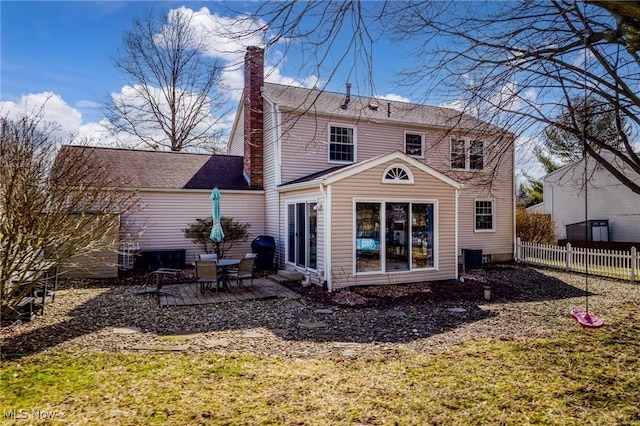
234,232
535,227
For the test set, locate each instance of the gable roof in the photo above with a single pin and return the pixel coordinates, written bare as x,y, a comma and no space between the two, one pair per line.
335,174
315,101
167,169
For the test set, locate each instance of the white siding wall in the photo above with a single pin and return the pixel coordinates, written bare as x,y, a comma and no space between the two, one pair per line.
236,144
272,213
607,199
166,214
304,151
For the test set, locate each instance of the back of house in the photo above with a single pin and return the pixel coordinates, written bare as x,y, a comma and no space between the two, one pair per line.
360,190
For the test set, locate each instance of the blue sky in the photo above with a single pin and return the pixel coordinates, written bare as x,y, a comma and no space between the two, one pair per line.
64,49
59,54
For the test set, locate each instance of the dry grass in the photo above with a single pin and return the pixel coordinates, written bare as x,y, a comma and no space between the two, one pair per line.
563,375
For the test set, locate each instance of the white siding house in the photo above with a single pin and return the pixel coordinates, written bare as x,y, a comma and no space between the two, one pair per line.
607,199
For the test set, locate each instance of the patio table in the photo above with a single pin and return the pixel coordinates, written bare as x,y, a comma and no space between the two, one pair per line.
224,265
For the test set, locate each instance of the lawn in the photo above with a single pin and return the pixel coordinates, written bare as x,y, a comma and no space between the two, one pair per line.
573,377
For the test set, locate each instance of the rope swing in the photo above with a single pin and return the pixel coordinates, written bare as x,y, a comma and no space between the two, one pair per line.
585,317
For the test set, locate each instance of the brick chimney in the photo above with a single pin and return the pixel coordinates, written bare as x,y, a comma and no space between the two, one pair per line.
253,116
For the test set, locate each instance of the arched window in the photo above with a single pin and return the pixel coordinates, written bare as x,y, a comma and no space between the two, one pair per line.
397,174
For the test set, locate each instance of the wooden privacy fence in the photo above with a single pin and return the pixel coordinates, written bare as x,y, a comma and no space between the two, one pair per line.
608,263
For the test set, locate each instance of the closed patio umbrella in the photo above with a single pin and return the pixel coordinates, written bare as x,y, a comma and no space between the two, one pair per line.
217,235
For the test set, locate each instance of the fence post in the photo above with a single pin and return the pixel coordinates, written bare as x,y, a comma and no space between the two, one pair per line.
568,257
519,249
634,262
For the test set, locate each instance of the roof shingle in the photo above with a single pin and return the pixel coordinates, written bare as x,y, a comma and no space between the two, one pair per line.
167,169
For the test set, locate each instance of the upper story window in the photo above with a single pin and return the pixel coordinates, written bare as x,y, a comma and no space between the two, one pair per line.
397,174
414,144
342,144
467,154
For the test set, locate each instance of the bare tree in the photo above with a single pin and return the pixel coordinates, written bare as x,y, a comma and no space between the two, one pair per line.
516,64
167,103
51,207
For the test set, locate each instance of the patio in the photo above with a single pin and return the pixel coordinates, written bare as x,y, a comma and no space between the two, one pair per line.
188,294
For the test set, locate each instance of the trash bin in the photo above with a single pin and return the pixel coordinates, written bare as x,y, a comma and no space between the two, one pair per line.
471,259
265,247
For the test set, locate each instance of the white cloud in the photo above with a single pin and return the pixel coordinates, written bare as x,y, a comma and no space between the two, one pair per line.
225,36
53,108
223,41
394,97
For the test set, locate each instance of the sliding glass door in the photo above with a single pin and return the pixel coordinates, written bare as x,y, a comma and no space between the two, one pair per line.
302,246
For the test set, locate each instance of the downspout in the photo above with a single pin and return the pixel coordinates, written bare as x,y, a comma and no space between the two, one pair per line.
327,236
513,195
456,263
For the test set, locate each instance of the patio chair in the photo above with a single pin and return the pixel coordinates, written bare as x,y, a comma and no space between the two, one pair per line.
244,271
207,273
208,256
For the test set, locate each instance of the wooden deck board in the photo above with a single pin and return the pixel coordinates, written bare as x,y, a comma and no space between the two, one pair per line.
189,294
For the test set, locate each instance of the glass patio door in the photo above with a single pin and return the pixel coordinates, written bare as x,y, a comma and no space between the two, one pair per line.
302,219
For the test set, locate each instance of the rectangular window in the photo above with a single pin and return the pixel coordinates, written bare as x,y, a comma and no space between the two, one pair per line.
413,144
422,226
341,144
302,242
397,224
467,155
476,155
458,154
368,255
405,243
484,215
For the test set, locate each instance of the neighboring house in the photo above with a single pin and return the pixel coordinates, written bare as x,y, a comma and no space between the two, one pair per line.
355,190
607,199
369,191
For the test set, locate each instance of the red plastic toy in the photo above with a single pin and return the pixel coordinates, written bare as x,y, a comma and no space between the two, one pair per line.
586,318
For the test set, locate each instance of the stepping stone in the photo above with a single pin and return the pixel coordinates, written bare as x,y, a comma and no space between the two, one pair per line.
457,310
291,275
314,324
323,311
252,335
395,313
160,347
302,315
280,331
126,330
349,352
178,337
213,343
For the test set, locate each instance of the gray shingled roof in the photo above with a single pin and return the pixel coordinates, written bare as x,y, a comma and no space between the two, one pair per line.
168,170
321,102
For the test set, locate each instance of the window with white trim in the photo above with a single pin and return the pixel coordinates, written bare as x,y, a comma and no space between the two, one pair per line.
414,144
342,144
397,174
467,154
395,236
302,243
484,220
